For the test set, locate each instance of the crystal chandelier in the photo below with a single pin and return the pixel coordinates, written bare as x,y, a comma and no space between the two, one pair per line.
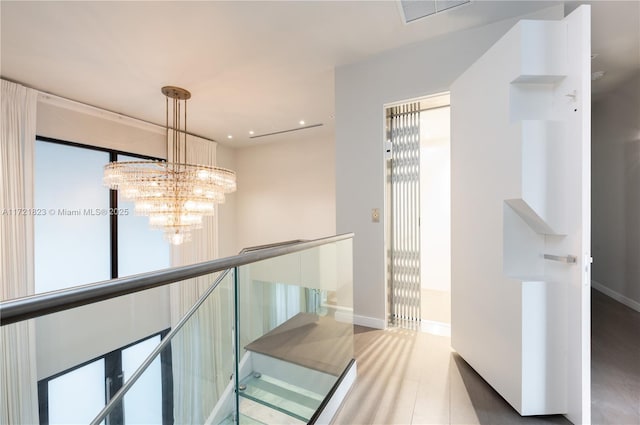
174,194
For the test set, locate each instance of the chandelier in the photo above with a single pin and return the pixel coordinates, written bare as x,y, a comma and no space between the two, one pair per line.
174,194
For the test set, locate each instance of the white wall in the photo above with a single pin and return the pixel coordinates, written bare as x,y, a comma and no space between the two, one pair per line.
616,192
286,191
70,121
68,338
435,200
362,90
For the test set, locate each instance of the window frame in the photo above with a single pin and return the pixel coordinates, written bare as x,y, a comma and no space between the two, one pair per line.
113,371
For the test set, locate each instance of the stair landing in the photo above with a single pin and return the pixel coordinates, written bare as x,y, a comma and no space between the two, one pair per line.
317,342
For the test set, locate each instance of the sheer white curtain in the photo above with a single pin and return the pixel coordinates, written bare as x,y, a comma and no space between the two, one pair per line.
203,353
286,301
204,242
17,362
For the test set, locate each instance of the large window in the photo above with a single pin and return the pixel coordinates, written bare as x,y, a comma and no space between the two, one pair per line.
75,396
71,235
135,236
84,233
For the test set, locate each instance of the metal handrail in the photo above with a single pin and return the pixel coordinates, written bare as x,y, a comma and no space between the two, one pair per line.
19,309
113,401
271,245
117,398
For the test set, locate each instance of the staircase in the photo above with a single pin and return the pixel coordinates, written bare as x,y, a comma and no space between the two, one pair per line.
282,379
265,397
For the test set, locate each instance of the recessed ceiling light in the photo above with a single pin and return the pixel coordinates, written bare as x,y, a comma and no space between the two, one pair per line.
251,132
301,122
229,136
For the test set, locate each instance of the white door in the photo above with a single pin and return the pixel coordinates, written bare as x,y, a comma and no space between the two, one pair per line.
520,182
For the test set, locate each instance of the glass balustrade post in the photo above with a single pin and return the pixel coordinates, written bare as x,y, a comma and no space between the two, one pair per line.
236,343
294,333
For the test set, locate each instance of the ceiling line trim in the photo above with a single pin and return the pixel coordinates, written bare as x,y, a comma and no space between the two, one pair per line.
286,131
91,110
74,105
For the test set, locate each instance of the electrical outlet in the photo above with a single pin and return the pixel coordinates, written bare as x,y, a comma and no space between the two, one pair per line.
375,215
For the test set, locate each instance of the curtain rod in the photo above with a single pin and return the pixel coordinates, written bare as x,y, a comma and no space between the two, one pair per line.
55,99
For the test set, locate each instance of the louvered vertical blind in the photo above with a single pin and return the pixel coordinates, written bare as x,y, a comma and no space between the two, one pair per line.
405,213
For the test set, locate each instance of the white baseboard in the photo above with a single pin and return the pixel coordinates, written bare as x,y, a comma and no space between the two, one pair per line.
435,328
633,304
338,397
341,314
370,322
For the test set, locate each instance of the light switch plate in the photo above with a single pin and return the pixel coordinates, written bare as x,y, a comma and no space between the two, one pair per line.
375,215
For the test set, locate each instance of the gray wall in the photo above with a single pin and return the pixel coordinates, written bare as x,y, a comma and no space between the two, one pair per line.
616,192
362,90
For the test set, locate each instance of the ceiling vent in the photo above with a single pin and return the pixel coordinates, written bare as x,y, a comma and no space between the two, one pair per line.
413,10
286,131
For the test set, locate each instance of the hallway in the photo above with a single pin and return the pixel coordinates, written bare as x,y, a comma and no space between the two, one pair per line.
407,377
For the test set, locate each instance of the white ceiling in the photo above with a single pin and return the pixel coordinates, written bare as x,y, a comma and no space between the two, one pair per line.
260,66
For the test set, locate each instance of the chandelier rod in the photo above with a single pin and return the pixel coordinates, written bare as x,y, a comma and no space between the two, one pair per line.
166,130
176,136
186,158
179,144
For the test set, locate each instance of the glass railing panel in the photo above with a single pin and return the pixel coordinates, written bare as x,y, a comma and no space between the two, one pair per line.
144,401
82,355
197,386
87,399
142,358
203,360
296,332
